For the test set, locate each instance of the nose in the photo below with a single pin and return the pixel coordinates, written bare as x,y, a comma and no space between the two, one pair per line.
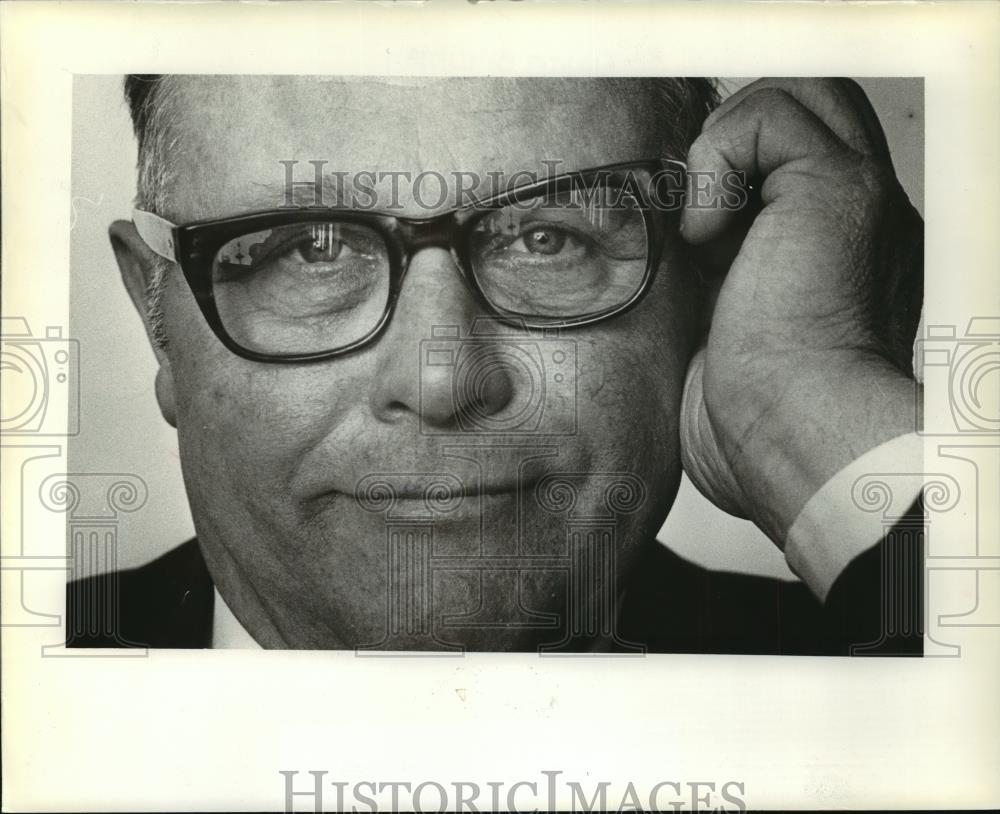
421,354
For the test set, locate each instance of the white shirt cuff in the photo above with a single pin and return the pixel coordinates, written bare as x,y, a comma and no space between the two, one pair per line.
839,522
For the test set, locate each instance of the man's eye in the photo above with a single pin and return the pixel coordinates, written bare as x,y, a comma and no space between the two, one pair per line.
323,250
540,240
543,239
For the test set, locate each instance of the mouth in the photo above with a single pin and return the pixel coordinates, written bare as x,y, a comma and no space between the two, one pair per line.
441,489
435,496
437,492
457,478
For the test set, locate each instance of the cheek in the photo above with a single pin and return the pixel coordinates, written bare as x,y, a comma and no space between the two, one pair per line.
632,376
264,419
631,384
243,425
629,413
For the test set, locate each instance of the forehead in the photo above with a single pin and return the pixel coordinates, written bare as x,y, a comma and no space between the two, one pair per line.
233,133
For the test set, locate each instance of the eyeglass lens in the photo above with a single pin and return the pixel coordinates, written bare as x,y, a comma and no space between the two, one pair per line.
323,285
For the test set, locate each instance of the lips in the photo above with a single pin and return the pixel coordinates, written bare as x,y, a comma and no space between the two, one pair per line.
414,469
440,492
417,489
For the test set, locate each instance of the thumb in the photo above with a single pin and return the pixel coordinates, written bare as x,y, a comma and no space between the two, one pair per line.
701,454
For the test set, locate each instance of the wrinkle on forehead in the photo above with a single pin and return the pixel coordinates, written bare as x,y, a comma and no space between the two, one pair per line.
241,127
471,95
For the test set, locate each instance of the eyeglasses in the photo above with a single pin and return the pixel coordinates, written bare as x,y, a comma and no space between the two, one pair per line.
312,283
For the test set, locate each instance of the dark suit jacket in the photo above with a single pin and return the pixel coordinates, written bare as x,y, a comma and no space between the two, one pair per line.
671,605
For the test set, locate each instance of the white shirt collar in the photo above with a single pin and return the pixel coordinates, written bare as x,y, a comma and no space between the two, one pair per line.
227,632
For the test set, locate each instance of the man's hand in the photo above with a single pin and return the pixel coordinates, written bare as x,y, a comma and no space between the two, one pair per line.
807,362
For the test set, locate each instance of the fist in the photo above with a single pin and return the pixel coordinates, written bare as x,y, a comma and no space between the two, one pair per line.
817,297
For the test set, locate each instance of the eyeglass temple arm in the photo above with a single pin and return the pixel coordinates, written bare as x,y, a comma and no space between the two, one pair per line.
156,232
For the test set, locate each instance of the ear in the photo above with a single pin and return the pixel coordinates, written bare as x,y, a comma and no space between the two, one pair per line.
136,262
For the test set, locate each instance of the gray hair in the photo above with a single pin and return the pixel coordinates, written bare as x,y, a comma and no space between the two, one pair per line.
149,99
680,104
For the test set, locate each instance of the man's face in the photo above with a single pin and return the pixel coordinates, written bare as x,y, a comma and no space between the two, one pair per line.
273,453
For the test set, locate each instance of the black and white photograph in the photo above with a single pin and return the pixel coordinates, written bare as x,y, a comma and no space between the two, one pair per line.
438,349
500,406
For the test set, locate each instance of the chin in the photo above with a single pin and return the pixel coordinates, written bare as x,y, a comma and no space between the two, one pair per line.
425,600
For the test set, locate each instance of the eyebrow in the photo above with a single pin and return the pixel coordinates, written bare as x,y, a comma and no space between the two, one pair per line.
340,189
300,193
331,193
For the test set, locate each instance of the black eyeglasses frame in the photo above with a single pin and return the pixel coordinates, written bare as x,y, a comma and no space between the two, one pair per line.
193,246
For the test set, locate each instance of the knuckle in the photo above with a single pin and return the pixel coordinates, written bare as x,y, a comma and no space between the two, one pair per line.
840,92
773,97
701,153
821,87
